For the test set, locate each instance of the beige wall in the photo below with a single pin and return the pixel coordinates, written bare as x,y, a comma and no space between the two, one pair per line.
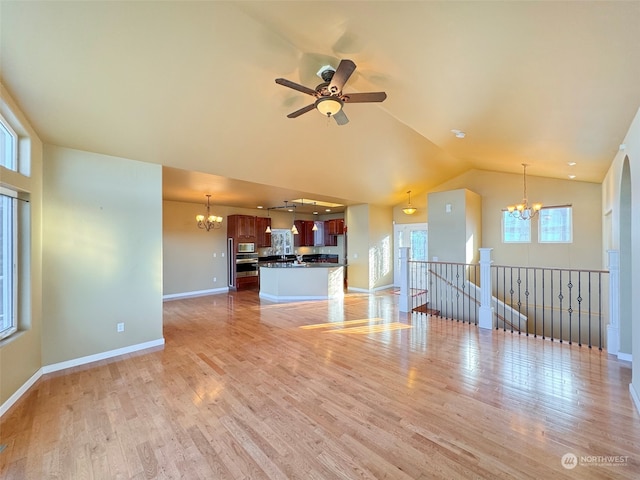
102,253
21,354
370,247
611,195
500,189
455,225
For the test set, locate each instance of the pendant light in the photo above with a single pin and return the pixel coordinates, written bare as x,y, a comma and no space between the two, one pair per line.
409,209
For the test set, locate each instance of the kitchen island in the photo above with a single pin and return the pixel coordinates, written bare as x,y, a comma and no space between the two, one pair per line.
306,281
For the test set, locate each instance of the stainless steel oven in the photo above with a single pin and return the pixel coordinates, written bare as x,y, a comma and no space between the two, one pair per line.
246,265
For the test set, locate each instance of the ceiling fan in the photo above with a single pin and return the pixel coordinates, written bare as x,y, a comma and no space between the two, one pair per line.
329,96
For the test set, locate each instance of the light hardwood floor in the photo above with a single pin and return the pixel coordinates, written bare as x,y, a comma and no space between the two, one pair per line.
324,390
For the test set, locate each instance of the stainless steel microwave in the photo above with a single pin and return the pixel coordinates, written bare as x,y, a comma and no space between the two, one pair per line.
246,247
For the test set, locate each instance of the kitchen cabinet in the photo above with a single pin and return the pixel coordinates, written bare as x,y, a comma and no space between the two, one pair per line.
242,228
305,237
263,239
333,228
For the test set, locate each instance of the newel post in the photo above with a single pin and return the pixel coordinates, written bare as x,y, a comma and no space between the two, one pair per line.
405,297
613,328
485,316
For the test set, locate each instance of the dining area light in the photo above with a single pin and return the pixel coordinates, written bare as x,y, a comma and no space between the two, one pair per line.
524,211
208,222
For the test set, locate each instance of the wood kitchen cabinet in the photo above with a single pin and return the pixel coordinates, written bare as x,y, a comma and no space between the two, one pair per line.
333,228
306,235
242,228
263,239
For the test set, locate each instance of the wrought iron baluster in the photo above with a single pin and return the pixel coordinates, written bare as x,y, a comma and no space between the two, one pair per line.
579,310
543,305
535,305
570,310
526,296
590,344
552,313
560,297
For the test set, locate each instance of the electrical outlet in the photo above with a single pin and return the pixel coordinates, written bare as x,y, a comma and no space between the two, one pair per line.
215,254
215,279
120,327
222,254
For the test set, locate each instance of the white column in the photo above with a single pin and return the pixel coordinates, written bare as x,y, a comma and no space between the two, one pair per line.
485,316
405,295
613,328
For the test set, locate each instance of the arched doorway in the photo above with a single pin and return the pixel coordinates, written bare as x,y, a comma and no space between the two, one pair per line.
625,263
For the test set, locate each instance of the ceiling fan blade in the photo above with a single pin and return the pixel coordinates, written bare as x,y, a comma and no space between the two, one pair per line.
364,97
341,75
306,109
295,86
341,118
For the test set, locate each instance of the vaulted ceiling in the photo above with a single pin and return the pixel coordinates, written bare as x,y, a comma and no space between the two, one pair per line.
190,85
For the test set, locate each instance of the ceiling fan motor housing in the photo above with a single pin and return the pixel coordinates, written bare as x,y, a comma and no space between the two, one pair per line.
326,73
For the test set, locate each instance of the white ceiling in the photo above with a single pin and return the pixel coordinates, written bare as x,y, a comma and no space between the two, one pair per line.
190,85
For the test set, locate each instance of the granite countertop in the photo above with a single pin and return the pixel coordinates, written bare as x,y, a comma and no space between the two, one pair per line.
306,258
300,265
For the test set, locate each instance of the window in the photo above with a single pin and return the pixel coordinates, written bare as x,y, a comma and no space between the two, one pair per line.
8,146
8,242
515,230
556,225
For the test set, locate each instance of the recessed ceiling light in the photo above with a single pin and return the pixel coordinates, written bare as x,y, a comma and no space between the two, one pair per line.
259,206
458,133
315,213
328,210
572,177
571,164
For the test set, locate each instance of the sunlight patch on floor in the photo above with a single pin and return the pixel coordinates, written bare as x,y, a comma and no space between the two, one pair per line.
361,326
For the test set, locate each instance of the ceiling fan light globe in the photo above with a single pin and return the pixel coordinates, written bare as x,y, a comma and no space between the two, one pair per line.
328,106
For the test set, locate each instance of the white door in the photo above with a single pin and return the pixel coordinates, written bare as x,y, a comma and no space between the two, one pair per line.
414,236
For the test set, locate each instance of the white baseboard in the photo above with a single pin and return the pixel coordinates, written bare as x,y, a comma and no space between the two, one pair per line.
625,356
197,293
364,290
101,356
635,397
296,298
21,391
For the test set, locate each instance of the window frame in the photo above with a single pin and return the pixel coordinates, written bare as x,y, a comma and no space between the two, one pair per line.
541,226
9,266
10,148
506,215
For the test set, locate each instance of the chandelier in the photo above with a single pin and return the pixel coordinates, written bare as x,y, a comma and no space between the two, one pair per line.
209,221
409,209
522,210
